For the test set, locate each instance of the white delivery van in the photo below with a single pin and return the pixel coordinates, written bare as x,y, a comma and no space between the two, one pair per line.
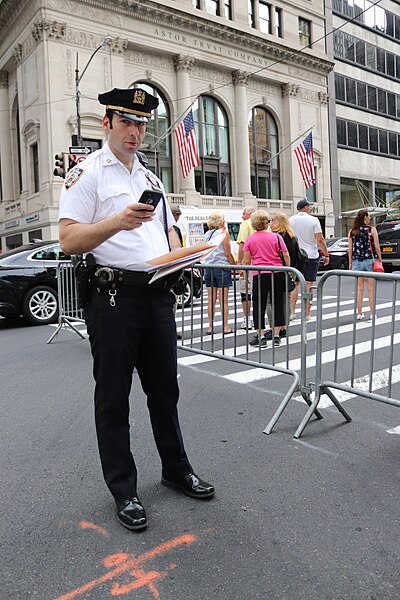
193,224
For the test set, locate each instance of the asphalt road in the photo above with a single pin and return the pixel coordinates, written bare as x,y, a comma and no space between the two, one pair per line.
309,519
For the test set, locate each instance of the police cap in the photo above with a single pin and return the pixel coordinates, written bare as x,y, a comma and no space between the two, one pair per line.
134,103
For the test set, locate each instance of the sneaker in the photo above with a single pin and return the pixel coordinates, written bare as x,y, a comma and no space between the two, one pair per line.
308,317
268,334
360,317
256,341
245,324
283,333
293,317
277,341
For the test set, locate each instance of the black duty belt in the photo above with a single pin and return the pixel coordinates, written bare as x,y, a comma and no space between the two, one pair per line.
115,277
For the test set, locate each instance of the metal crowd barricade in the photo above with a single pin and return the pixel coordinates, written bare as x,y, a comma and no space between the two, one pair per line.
220,347
69,311
359,383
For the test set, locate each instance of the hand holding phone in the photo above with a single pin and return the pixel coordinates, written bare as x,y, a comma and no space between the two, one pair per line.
151,197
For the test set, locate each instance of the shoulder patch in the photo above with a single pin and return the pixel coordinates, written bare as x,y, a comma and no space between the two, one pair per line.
72,177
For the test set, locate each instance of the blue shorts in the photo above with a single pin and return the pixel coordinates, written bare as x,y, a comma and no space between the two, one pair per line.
363,265
311,270
220,278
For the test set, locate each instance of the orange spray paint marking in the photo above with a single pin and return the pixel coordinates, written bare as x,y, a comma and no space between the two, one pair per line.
87,525
127,563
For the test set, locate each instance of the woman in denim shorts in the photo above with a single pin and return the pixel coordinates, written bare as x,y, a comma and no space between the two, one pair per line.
218,281
363,250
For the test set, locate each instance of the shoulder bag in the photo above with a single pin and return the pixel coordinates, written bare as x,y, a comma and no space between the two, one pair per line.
377,266
290,284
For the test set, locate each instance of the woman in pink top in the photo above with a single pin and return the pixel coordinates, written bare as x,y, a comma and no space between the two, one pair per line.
263,248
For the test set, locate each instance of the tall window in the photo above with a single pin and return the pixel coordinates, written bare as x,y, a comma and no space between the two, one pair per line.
265,17
159,157
278,22
213,176
35,167
250,9
212,7
304,32
218,8
264,145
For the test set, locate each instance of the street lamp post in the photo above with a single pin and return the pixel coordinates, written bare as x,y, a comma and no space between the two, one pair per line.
78,79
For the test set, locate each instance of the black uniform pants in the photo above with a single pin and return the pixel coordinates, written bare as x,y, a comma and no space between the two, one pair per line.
139,331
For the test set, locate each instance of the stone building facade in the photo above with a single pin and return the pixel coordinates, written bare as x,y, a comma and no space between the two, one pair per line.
255,92
365,123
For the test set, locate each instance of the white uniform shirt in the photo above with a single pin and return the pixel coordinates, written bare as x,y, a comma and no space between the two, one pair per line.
305,227
100,187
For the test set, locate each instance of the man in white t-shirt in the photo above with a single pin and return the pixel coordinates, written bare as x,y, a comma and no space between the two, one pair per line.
309,234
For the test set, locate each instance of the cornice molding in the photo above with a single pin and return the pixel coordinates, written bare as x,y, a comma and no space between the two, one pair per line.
147,10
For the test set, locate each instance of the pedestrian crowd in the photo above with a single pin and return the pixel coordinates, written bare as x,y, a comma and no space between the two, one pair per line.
262,242
298,242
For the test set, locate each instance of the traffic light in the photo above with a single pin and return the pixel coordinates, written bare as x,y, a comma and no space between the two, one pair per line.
59,171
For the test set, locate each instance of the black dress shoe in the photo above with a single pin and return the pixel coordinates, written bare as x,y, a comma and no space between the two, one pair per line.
190,485
131,514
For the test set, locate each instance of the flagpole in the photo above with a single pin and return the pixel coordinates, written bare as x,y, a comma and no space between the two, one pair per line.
170,128
289,144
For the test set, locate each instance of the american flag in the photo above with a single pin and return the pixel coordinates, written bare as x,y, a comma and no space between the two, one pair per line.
305,157
186,140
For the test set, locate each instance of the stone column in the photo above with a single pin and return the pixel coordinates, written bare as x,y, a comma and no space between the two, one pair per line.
290,132
242,161
183,65
5,140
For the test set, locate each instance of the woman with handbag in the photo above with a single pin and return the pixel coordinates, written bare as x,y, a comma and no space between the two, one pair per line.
364,252
280,224
265,248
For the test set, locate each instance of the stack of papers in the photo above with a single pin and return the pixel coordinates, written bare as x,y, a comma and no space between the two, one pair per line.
183,257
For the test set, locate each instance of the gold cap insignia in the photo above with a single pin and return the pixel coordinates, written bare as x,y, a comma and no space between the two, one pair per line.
139,97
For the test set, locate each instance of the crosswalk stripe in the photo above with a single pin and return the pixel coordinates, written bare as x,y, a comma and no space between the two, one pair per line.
256,374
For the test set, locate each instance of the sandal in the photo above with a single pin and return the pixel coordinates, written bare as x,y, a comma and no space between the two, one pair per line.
229,331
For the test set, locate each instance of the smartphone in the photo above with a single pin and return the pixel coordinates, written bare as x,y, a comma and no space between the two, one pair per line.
151,197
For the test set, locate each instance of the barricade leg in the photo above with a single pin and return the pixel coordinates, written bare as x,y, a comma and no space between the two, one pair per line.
65,321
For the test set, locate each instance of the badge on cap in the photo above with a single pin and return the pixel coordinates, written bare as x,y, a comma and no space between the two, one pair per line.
139,97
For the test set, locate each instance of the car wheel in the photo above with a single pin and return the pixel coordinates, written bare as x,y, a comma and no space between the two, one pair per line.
185,299
40,306
344,264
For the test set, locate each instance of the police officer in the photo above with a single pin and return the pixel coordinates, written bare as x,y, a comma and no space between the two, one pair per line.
130,323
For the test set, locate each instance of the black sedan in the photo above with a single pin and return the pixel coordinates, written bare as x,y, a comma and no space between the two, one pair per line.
28,283
338,249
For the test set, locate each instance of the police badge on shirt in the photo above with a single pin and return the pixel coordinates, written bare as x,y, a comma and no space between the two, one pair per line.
153,181
72,177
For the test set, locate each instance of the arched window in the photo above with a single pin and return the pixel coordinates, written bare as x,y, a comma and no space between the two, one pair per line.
213,176
160,157
264,144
